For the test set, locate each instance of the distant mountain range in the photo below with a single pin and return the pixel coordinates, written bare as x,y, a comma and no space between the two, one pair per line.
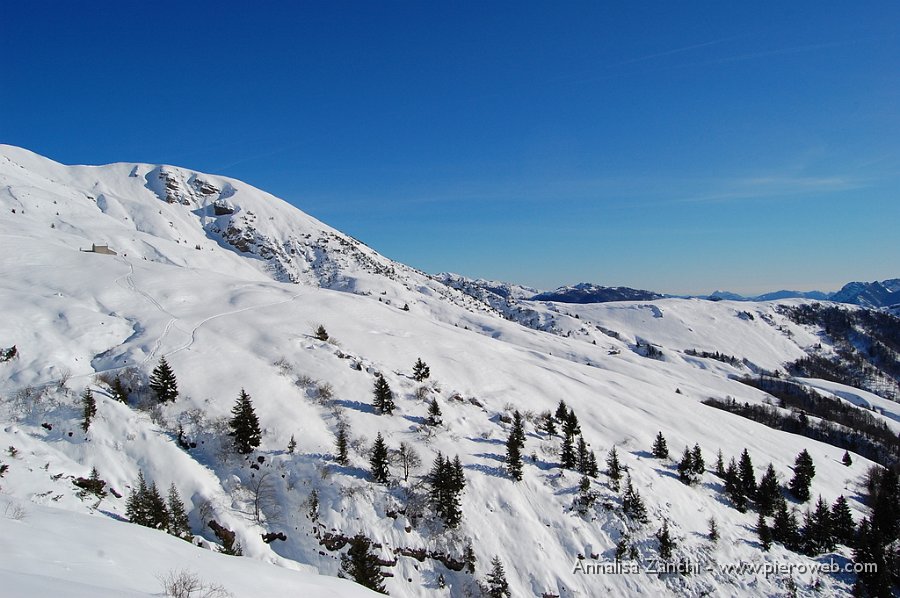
875,294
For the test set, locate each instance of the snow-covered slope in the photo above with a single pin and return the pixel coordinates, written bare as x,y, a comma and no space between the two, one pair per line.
240,311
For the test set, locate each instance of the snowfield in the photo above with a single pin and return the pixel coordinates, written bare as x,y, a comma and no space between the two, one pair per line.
232,301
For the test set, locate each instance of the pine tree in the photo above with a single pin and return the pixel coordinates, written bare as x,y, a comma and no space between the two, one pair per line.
562,412
764,532
591,468
713,533
118,392
341,442
96,484
817,535
747,475
514,446
548,423
321,334
468,557
733,487
179,525
720,464
633,504
660,448
571,427
686,468
614,469
842,525
768,492
785,528
666,541
698,465
89,408
136,508
446,481
157,510
163,382
292,445
804,471
244,425
434,414
384,397
420,370
496,583
622,548
567,456
582,457
847,459
378,463
363,566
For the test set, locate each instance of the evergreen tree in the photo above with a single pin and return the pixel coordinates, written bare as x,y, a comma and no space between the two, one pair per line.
817,534
686,468
632,504
842,525
341,442
420,370
136,508
96,484
785,528
292,445
321,334
614,469
179,525
666,541
163,382
446,481
698,465
713,533
764,532
378,463
847,459
434,414
89,408
548,424
363,566
804,471
582,457
384,397
768,492
571,427
720,464
244,425
660,448
878,538
733,487
562,412
622,548
497,586
567,457
468,557
591,465
157,509
514,445
118,392
747,475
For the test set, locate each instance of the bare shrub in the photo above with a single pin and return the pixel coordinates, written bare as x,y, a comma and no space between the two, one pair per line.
304,381
284,367
15,511
324,392
186,584
422,393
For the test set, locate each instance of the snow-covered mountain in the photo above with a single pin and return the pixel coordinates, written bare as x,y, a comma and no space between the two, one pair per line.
229,284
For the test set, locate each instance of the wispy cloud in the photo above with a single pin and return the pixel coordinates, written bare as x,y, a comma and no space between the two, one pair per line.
772,186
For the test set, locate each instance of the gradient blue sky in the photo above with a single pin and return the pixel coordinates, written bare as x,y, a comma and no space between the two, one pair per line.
680,147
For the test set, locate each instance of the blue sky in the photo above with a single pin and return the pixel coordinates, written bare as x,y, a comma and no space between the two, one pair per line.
680,147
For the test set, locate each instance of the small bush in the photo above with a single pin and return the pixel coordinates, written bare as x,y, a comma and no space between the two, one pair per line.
185,584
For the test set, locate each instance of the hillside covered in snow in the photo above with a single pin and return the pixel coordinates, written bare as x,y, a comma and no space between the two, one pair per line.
240,292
